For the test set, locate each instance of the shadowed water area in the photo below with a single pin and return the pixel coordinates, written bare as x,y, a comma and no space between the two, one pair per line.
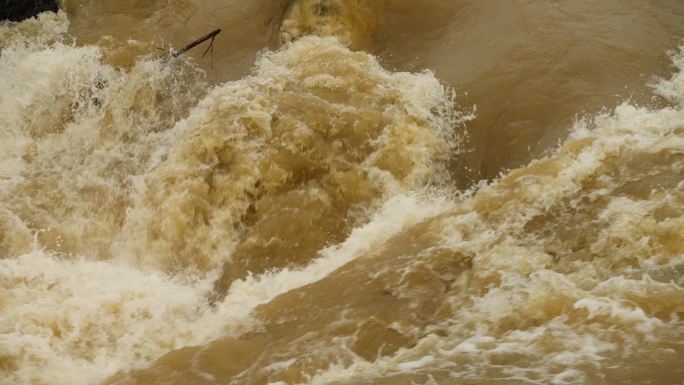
343,191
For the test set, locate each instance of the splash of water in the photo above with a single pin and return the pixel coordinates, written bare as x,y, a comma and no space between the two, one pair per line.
298,226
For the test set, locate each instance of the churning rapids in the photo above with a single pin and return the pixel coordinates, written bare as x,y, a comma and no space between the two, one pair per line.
343,192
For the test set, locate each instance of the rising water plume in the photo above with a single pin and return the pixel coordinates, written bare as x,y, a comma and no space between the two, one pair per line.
301,225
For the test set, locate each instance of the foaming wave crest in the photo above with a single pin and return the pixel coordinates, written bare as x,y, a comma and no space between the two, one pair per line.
140,214
566,271
298,226
75,132
575,265
314,138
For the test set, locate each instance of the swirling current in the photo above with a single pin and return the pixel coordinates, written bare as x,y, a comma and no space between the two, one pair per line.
343,192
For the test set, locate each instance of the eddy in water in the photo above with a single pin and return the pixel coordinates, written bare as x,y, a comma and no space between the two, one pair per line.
346,192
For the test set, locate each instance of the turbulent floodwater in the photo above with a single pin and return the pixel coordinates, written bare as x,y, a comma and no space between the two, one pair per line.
343,192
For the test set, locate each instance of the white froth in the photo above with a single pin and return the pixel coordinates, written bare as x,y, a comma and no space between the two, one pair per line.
97,318
400,212
77,321
68,319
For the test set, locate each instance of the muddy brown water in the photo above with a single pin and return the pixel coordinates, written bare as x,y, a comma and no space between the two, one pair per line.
343,192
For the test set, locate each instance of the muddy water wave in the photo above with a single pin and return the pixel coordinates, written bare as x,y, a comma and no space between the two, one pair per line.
304,224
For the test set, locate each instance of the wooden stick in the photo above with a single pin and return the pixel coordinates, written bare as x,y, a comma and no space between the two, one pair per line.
211,35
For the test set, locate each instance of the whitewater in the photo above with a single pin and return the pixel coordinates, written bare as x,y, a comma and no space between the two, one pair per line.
310,223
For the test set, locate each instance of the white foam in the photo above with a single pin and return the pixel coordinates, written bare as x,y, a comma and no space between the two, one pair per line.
70,320
280,365
401,211
78,321
419,363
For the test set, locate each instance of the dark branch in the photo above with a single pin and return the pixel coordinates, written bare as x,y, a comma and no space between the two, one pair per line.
211,35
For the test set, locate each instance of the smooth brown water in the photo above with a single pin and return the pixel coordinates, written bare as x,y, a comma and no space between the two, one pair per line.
343,191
